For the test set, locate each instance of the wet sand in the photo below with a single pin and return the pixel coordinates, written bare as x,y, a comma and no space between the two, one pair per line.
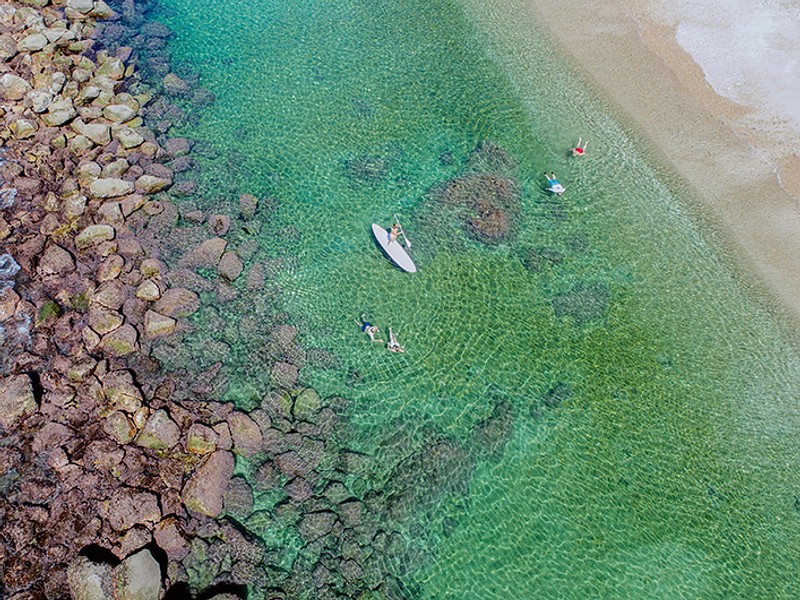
741,164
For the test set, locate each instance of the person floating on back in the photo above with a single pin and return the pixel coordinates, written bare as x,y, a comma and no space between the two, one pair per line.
393,345
580,150
553,184
369,329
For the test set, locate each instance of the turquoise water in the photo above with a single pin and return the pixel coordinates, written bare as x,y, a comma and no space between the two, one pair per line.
654,446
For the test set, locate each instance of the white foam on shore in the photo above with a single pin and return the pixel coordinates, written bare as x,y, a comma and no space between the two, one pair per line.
749,50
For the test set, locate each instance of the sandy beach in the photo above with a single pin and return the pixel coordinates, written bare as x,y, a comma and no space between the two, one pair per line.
740,160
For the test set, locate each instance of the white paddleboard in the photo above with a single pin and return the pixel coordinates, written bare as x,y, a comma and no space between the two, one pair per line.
394,250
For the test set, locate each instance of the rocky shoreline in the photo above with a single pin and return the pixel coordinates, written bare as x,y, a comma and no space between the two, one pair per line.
122,474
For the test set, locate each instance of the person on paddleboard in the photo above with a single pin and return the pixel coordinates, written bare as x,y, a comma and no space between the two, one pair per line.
395,231
369,329
553,184
393,344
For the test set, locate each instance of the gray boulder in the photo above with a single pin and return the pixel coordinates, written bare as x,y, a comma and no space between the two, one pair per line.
9,300
102,11
206,254
80,144
127,136
88,580
81,6
23,128
127,507
104,320
284,375
230,267
138,578
40,99
204,491
32,43
120,342
93,235
119,427
177,302
201,439
112,67
59,112
99,133
121,392
111,294
160,432
157,325
13,87
247,438
8,46
16,400
56,261
170,539
110,187
150,184
118,113
315,525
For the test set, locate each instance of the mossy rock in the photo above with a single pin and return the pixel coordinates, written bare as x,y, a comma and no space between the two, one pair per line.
48,311
307,405
120,342
80,302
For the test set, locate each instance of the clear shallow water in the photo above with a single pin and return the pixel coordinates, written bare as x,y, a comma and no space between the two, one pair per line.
669,468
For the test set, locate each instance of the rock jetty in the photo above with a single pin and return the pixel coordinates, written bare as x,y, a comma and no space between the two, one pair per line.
98,465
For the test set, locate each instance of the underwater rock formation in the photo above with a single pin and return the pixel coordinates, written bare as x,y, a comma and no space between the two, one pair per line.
489,205
537,259
585,302
486,197
367,169
556,395
492,434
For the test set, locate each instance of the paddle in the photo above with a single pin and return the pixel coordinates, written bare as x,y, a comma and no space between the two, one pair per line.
408,242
